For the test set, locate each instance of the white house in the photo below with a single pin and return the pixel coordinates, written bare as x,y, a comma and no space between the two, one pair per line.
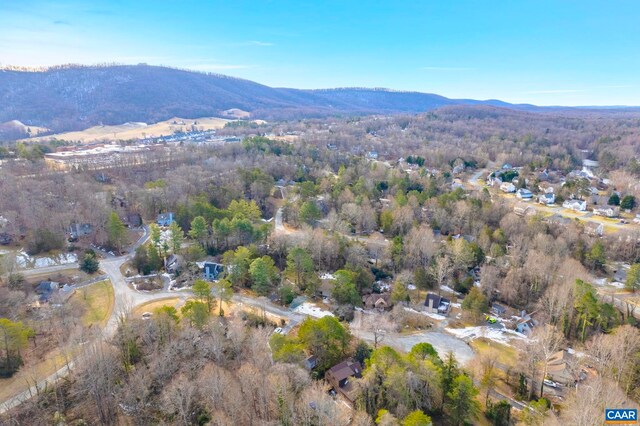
524,194
607,211
508,187
547,199
576,205
594,229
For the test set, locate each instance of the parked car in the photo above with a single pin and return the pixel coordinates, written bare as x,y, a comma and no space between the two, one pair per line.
490,319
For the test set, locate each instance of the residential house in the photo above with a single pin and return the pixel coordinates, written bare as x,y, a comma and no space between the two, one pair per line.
62,294
609,211
498,309
5,239
339,377
134,220
507,187
77,230
523,209
164,219
575,205
594,229
173,263
494,180
524,194
547,198
526,324
437,304
557,219
53,292
377,301
543,176
45,289
311,362
211,271
546,187
564,367
458,169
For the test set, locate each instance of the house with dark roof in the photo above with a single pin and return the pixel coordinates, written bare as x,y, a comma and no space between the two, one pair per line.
53,292
340,378
5,239
498,309
524,194
134,220
164,219
77,230
311,362
436,304
211,271
45,289
173,263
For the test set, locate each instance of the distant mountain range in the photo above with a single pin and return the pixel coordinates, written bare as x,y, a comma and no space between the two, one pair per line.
77,97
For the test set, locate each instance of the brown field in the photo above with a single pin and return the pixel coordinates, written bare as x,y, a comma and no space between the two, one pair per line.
129,131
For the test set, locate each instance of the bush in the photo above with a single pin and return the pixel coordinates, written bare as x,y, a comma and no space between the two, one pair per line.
16,281
10,365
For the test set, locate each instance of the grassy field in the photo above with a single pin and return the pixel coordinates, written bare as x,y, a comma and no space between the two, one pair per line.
135,130
98,300
176,302
506,354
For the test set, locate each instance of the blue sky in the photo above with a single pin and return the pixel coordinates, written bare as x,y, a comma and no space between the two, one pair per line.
543,52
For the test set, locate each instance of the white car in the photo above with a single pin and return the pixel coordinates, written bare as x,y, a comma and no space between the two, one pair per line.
550,383
278,330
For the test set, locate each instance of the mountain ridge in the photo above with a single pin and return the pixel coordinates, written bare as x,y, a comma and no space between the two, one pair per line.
73,97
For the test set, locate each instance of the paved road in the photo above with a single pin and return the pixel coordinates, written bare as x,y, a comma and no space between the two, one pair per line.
49,269
123,294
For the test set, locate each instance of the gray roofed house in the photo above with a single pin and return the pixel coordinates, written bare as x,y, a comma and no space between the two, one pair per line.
80,229
164,219
437,304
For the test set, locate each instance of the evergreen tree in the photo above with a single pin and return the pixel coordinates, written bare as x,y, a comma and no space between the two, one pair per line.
614,199
462,406
176,237
89,263
116,231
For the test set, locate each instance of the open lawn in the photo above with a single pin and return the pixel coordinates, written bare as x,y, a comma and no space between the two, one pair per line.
507,355
176,302
98,300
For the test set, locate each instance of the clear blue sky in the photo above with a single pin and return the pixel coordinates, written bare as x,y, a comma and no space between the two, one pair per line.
547,52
